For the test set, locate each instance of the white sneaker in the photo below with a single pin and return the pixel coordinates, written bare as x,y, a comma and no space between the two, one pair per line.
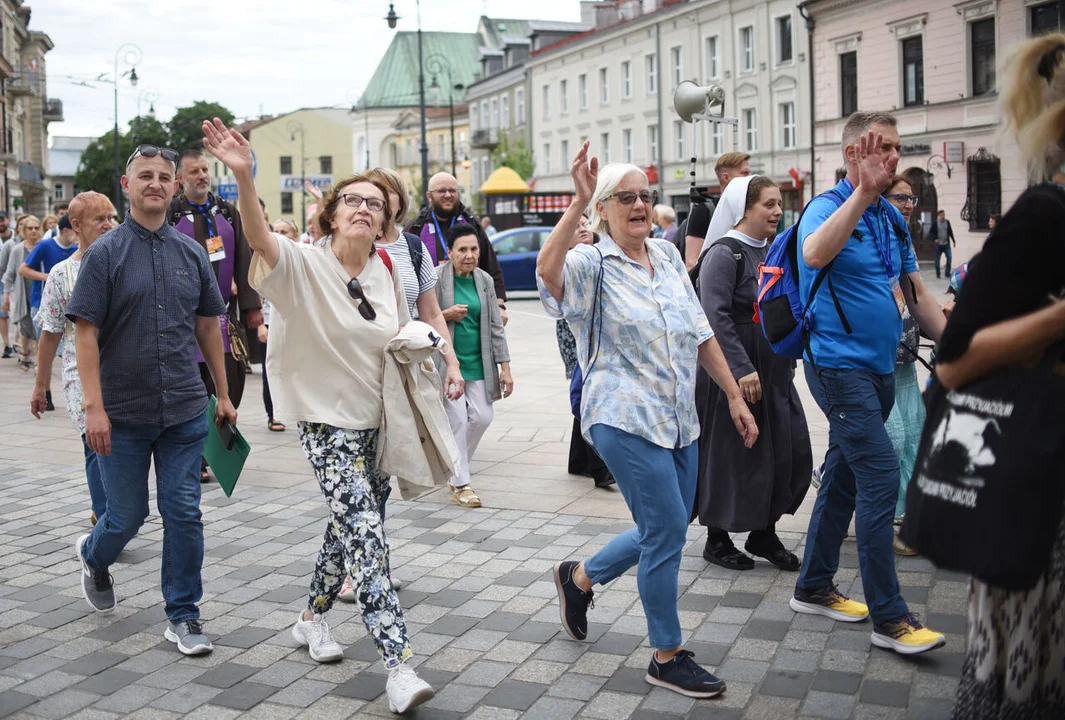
406,690
314,635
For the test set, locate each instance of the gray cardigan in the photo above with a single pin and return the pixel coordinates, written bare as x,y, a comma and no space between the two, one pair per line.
493,340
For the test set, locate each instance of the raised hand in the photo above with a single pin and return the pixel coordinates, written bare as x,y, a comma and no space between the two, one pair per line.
585,174
873,172
229,146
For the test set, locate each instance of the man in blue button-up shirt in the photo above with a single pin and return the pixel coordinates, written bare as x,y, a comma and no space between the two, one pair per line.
145,296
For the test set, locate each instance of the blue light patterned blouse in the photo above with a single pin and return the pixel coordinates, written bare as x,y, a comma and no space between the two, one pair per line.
648,331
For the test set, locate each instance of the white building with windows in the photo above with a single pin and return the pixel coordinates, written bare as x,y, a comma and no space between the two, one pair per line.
933,66
615,86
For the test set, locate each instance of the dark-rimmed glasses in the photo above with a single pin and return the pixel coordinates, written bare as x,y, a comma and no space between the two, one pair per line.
628,197
151,151
365,308
354,201
902,198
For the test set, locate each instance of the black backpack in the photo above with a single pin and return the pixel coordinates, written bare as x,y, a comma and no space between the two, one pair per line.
417,250
734,245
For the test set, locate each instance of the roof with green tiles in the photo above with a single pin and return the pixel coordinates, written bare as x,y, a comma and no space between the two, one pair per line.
395,82
499,28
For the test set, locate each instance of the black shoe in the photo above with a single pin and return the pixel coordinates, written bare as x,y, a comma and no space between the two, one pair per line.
49,407
8,353
770,548
573,602
605,481
683,675
725,554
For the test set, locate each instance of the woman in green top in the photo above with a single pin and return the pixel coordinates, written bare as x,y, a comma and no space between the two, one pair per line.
468,295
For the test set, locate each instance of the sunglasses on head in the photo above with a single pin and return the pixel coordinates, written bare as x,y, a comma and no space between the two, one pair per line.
628,197
152,151
365,308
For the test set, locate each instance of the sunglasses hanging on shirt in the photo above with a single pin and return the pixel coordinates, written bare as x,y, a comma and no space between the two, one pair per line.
356,293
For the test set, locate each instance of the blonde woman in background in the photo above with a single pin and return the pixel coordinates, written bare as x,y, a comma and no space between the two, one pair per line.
1015,660
17,290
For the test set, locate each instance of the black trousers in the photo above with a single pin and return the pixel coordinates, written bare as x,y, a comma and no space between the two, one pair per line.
583,459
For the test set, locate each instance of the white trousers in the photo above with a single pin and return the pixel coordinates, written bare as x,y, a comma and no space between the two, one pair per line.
469,416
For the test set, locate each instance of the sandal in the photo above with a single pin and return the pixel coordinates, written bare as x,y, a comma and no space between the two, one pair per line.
465,496
205,476
275,426
24,365
347,593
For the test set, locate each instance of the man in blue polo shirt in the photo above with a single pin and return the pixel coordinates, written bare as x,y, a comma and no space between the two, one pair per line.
46,255
861,242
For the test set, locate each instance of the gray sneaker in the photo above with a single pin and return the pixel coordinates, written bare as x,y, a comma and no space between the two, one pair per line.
97,586
188,634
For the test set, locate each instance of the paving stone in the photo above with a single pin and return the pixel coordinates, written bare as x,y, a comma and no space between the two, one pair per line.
109,681
129,699
948,623
281,674
616,644
364,686
11,701
63,704
302,693
515,695
243,695
580,687
457,697
786,684
830,706
750,671
246,637
795,660
187,698
931,710
49,684
612,705
452,625
741,600
697,602
551,708
535,632
518,578
773,708
505,622
833,681
892,694
714,711
226,675
628,680
485,674
35,667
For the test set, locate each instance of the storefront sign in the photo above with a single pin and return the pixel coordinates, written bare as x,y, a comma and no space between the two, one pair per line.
294,183
954,151
916,149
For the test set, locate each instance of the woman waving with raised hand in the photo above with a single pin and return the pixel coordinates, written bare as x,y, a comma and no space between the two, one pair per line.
640,336
341,305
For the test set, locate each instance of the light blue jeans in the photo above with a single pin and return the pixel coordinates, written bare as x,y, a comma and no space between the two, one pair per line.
659,487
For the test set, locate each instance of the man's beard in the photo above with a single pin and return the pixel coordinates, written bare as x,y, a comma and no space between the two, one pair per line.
445,213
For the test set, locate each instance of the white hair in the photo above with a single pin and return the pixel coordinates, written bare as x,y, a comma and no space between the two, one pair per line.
610,176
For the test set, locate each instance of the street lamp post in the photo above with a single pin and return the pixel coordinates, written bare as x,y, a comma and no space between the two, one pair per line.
131,55
293,128
392,18
438,64
151,96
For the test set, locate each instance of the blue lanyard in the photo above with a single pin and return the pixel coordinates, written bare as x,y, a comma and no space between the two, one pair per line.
440,233
205,210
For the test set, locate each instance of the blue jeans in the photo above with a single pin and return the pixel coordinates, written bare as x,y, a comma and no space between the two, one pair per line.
943,250
94,477
861,477
177,451
659,487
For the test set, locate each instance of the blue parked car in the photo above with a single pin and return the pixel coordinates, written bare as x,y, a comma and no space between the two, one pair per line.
517,250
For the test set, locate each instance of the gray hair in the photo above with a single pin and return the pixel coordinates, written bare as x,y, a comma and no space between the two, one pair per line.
860,122
610,176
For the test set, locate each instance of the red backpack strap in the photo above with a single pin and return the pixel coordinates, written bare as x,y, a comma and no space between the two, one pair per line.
385,259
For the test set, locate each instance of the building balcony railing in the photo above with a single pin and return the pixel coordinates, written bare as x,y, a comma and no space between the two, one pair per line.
30,174
53,110
24,82
485,139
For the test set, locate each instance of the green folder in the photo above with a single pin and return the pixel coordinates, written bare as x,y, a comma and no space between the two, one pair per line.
225,463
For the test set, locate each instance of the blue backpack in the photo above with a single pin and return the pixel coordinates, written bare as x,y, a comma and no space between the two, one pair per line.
780,312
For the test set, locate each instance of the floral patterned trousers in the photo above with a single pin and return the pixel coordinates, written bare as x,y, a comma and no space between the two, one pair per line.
344,462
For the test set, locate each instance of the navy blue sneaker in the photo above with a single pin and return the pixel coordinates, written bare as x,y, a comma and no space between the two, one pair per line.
683,675
573,602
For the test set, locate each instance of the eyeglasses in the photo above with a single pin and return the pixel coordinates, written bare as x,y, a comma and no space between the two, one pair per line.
903,199
628,197
355,290
152,151
355,201
445,191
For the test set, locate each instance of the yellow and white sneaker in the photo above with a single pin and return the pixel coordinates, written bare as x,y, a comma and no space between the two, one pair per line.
829,602
906,636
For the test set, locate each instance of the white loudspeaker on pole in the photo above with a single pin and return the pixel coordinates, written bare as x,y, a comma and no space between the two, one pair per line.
693,102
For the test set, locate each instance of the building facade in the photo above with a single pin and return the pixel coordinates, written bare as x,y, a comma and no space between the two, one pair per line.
25,113
933,66
614,86
403,155
64,157
312,144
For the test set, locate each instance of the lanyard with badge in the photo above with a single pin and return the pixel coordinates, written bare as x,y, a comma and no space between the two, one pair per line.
440,233
885,257
216,249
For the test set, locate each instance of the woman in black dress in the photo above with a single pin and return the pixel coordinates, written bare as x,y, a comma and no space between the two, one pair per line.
1015,656
744,490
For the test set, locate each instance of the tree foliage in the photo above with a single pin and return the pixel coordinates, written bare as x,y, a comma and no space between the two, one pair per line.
514,154
182,132
185,126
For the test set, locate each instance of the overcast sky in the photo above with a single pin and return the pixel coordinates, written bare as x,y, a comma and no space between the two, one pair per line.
252,56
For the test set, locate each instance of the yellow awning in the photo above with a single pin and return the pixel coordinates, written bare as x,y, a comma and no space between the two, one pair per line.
504,180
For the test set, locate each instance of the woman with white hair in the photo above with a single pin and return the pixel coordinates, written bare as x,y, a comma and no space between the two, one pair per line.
747,491
640,335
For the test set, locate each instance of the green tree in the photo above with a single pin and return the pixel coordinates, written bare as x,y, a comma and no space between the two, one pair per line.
185,126
514,154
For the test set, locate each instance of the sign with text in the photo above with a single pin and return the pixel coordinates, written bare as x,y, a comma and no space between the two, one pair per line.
916,149
294,183
954,151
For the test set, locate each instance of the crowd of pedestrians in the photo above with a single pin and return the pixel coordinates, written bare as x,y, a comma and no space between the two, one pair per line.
386,346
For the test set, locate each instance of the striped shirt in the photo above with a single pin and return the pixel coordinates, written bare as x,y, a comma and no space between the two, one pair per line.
414,283
144,291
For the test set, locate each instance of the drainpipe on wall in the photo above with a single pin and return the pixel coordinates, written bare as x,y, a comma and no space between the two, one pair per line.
661,131
810,60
